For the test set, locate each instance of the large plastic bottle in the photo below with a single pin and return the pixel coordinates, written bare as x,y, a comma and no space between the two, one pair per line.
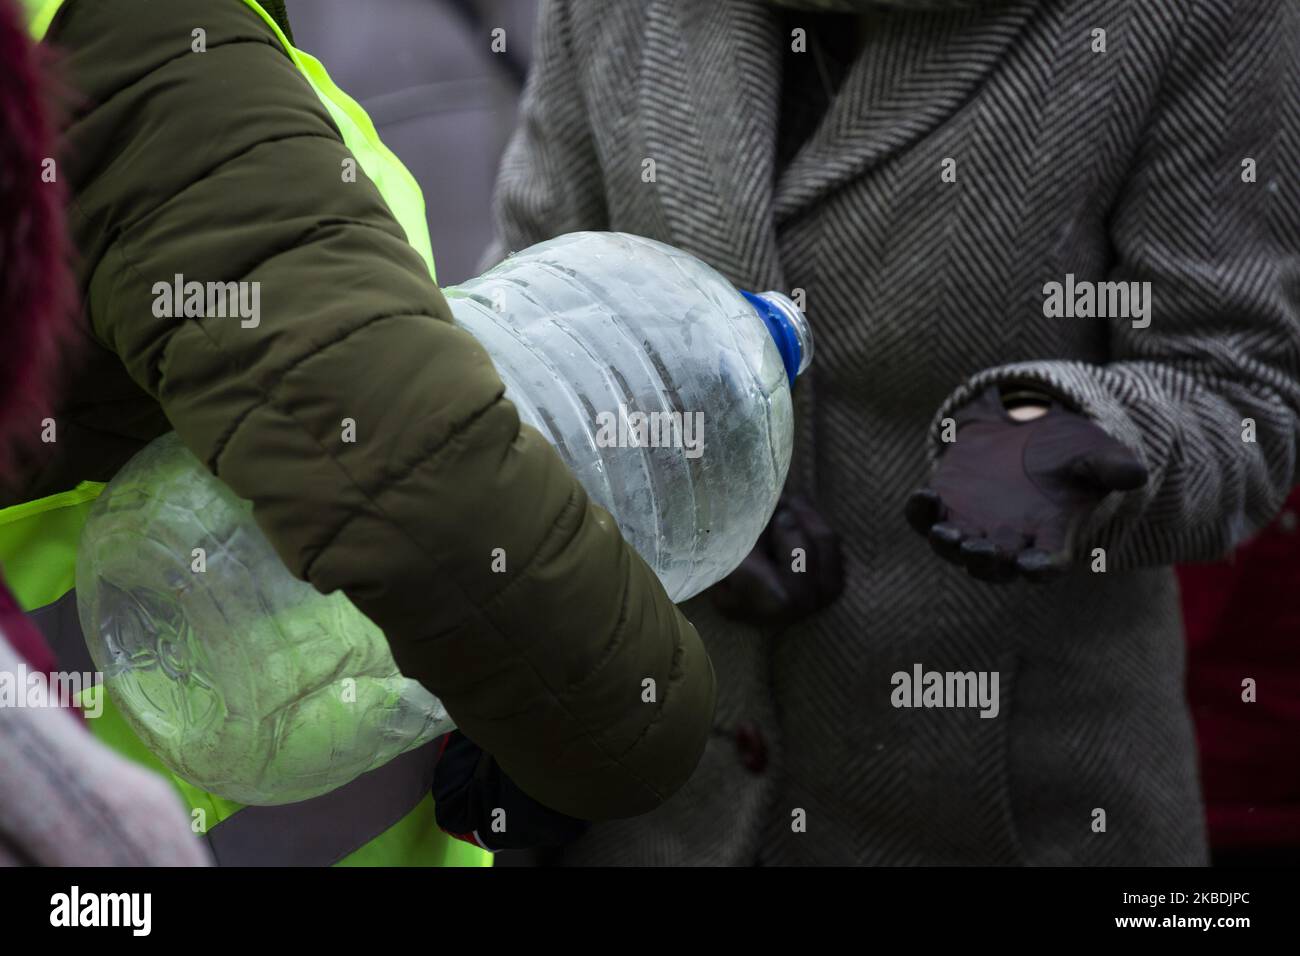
591,331
665,390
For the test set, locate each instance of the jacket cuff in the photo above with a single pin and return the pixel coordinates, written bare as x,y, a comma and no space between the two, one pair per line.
1083,387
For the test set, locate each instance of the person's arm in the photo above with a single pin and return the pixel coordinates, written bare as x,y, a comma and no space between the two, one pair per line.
1207,396
550,181
369,432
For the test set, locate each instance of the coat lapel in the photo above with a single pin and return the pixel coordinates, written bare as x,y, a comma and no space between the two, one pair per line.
915,71
709,98
709,105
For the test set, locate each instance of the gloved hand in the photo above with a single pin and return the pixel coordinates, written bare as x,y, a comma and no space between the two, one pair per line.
476,802
1008,497
766,590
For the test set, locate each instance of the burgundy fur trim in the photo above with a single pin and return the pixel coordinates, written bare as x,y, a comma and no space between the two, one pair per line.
37,288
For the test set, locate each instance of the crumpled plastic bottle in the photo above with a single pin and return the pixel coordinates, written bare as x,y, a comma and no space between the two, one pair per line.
240,678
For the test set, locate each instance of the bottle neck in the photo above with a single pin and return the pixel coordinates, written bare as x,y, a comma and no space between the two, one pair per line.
789,328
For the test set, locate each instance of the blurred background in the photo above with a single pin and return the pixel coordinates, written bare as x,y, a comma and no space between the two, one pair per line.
441,98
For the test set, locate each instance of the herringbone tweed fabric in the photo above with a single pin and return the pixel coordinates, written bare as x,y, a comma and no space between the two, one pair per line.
1124,165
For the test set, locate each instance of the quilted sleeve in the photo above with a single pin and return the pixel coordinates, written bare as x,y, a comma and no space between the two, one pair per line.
370,433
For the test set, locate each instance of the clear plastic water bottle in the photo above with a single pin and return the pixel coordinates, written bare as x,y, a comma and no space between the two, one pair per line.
665,390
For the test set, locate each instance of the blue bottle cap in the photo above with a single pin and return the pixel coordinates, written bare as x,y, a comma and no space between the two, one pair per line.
790,330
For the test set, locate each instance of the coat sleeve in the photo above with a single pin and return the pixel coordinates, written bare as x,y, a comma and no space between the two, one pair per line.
370,434
1207,394
550,177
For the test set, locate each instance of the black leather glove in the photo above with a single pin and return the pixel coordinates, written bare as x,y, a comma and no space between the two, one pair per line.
476,802
766,590
1008,497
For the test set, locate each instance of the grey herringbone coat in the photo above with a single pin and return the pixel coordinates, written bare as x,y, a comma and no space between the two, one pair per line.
1126,164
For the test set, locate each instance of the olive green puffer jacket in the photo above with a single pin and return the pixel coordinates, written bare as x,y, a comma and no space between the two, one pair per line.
224,166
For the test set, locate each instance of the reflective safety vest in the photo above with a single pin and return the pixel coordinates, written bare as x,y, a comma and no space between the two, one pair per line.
384,817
